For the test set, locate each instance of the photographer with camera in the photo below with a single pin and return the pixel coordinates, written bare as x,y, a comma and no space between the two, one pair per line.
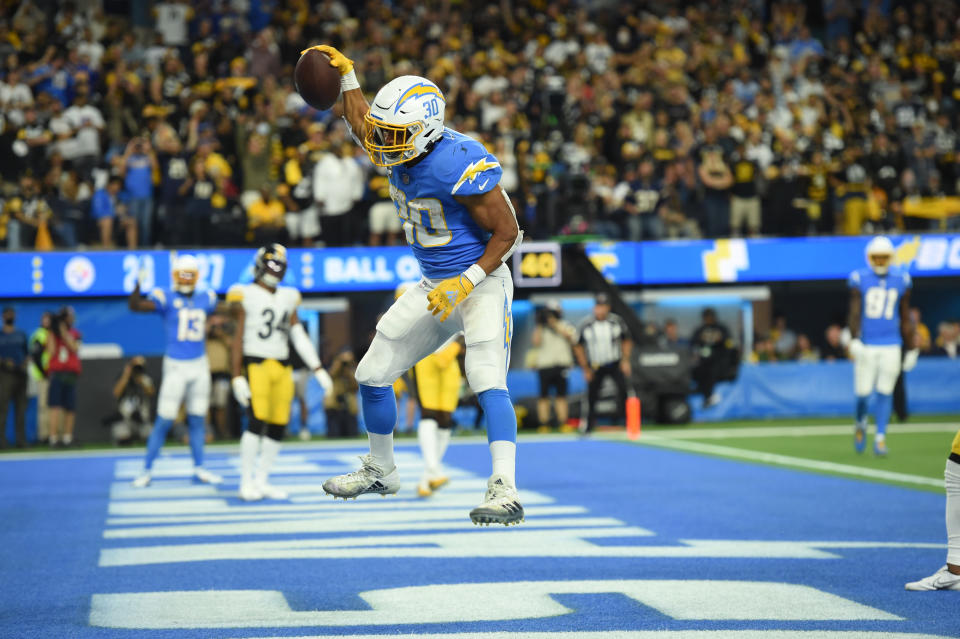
64,349
554,339
133,391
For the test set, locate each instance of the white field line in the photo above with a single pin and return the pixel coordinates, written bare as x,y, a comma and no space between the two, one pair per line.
794,431
786,460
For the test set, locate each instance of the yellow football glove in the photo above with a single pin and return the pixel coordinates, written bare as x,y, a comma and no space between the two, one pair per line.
448,293
343,64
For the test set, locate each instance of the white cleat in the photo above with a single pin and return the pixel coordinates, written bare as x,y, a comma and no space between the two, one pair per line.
943,579
142,481
369,479
501,505
206,477
269,491
304,435
249,492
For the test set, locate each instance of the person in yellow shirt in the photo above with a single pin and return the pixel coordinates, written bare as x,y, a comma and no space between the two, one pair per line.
265,216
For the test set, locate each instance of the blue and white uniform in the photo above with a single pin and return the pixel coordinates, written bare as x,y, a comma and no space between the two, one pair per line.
446,241
878,366
186,372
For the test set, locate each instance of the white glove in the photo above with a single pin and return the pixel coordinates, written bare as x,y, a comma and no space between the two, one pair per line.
910,359
241,390
855,348
323,378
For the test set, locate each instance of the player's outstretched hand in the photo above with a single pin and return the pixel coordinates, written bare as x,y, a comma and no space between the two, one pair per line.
323,378
241,390
343,64
910,359
448,293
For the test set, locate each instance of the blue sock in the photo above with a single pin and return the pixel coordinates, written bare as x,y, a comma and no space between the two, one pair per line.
501,418
862,403
198,434
157,437
379,408
884,407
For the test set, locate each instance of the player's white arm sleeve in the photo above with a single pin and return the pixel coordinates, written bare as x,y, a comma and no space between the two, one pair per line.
301,342
519,239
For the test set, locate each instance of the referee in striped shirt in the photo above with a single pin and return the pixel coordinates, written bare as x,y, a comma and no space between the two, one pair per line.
603,350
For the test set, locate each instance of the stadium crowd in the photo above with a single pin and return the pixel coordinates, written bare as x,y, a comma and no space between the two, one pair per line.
177,123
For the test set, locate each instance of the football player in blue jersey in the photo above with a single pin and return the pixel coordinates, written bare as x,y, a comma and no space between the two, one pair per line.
461,228
880,328
186,372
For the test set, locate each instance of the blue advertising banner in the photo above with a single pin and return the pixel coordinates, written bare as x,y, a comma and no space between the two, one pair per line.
765,260
109,273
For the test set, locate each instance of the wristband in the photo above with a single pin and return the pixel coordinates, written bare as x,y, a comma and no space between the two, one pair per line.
475,274
348,81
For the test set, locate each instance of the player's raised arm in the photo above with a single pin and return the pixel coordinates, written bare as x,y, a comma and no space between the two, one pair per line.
355,105
139,304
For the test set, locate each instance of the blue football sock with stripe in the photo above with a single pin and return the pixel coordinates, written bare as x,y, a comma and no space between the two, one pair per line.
862,403
157,437
884,408
198,434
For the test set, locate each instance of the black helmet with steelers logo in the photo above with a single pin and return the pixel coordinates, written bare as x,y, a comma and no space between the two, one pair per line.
270,265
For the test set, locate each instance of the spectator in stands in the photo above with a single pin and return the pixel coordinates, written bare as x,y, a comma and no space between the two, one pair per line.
833,349
13,377
337,184
39,368
603,350
64,350
341,404
745,193
711,344
805,352
763,350
26,214
784,339
671,335
644,220
553,339
948,339
265,217
716,177
137,165
385,224
106,209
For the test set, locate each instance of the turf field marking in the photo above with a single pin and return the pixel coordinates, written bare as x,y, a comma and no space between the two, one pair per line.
786,460
793,431
645,634
715,600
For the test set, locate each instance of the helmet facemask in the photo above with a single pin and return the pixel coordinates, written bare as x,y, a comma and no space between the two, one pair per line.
880,262
185,280
390,144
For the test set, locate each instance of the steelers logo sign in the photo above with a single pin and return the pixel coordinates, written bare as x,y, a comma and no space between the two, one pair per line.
79,274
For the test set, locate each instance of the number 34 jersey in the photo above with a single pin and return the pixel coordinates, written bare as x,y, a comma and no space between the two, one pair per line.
184,320
266,326
880,304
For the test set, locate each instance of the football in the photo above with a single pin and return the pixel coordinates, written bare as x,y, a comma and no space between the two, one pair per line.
316,81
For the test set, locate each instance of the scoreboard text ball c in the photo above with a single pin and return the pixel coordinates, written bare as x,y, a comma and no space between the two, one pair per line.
537,264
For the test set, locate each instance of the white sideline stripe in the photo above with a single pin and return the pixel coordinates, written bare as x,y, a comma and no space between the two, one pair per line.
370,506
794,431
785,460
637,634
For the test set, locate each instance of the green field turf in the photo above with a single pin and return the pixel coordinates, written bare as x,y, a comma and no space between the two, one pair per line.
917,449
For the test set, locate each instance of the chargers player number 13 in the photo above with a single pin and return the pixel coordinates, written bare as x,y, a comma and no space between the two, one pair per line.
191,324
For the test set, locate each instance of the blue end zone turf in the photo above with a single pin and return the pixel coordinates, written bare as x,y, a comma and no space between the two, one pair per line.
617,538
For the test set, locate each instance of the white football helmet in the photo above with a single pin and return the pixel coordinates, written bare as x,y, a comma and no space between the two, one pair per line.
880,254
405,119
186,272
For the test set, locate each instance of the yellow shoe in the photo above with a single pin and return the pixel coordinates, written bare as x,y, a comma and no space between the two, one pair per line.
438,482
423,490
567,428
543,428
